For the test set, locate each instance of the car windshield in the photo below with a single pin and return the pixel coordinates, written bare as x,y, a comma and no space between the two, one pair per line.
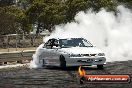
74,42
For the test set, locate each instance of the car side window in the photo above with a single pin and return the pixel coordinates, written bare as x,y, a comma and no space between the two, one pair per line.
51,43
56,43
48,44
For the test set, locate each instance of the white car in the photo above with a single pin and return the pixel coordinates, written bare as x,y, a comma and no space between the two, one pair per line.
71,52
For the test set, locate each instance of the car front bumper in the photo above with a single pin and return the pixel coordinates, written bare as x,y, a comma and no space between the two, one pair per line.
84,61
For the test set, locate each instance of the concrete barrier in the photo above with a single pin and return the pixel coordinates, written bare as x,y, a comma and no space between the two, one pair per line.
17,56
10,55
28,53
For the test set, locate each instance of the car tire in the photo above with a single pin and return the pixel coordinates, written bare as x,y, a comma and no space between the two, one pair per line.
100,66
43,63
62,62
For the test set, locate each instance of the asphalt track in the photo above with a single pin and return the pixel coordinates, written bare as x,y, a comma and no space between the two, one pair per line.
53,77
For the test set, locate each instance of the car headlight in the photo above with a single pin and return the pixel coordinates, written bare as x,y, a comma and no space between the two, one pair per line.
101,54
75,55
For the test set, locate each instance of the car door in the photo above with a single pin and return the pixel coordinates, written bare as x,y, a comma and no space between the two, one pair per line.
47,49
50,52
55,54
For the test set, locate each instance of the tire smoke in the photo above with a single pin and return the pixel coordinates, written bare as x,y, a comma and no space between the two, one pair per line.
109,32
112,33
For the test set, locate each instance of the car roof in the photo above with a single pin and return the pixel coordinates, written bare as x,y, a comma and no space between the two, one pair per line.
66,38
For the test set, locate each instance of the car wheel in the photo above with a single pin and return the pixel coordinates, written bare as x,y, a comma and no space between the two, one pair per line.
43,63
100,66
62,62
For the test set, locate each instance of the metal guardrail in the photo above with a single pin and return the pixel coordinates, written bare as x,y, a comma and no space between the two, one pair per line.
16,56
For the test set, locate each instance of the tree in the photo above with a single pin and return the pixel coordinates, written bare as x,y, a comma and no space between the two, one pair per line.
47,13
127,3
74,6
6,22
24,4
12,19
6,2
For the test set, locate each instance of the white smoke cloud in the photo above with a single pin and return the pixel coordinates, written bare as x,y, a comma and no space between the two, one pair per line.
101,28
36,63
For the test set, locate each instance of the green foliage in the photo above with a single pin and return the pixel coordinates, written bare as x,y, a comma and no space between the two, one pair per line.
6,22
107,4
74,6
48,12
127,3
25,25
16,12
53,12
12,18
6,2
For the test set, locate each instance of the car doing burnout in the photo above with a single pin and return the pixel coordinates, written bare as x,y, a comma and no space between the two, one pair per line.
71,52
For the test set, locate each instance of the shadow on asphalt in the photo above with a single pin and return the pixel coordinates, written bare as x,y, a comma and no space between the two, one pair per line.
75,68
